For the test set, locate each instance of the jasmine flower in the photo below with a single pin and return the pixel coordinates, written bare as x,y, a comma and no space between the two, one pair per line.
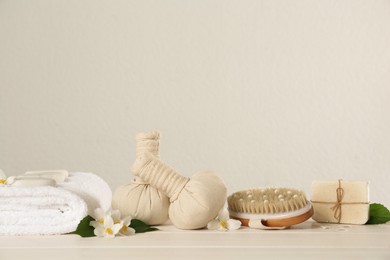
223,222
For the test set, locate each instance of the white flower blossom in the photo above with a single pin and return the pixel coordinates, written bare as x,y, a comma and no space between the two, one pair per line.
223,222
109,224
108,229
125,230
99,216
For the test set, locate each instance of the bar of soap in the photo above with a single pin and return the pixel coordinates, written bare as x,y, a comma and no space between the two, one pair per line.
340,201
57,175
30,181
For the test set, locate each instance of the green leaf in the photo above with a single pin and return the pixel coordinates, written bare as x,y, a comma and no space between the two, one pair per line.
379,214
141,227
84,229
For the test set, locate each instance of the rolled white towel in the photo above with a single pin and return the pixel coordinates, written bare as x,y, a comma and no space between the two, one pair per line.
28,208
39,210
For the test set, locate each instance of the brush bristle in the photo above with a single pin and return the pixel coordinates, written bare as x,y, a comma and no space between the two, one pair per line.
267,200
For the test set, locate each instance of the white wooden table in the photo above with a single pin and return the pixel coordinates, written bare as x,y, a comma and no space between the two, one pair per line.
309,240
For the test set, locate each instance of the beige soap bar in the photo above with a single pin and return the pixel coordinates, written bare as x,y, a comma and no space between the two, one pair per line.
340,201
58,176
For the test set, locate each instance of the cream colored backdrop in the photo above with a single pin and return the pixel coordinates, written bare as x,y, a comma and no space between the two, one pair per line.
264,92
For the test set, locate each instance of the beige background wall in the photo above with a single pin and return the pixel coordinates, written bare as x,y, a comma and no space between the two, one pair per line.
265,93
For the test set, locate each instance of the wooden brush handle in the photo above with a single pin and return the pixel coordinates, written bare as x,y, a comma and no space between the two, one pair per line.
281,222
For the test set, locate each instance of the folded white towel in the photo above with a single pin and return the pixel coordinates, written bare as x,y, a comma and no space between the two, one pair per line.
49,210
39,211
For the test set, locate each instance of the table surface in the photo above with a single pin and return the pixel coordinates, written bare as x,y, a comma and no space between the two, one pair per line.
309,240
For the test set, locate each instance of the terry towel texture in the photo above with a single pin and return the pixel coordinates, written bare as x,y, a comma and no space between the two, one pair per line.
39,211
91,188
52,210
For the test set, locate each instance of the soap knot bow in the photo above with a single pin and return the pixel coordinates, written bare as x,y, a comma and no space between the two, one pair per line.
337,206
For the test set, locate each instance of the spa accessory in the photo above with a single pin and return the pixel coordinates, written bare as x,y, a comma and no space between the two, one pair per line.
30,181
194,201
90,187
269,208
137,198
39,211
57,175
28,208
340,201
38,178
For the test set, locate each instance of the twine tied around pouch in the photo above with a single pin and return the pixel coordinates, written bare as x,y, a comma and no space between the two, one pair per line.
337,207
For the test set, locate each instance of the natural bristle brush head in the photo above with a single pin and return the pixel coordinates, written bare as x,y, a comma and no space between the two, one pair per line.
267,200
269,207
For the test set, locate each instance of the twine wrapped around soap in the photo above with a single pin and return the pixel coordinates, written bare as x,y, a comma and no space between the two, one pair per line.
337,207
